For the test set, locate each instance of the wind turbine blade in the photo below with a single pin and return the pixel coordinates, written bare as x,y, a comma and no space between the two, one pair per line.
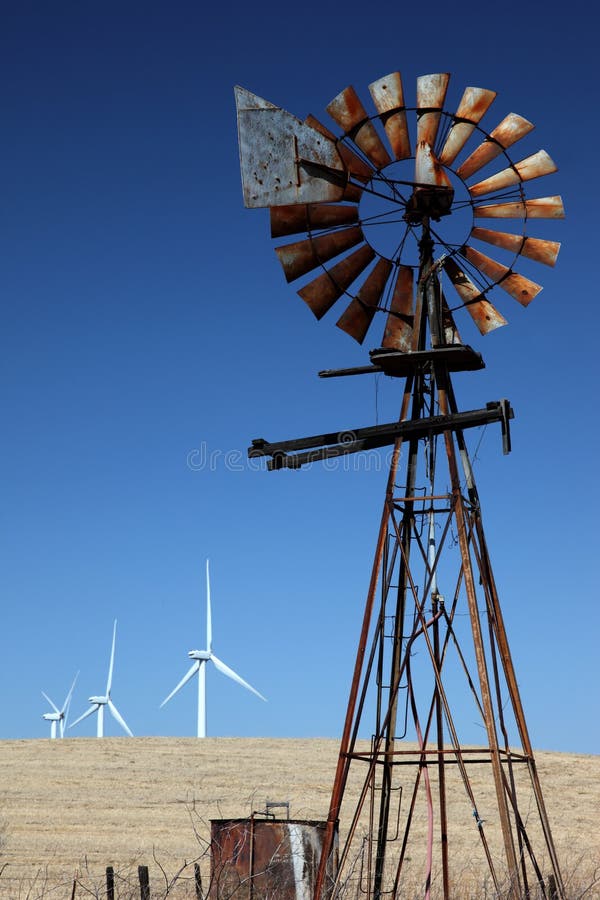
208,612
231,674
183,681
55,708
68,697
94,708
65,710
119,718
112,660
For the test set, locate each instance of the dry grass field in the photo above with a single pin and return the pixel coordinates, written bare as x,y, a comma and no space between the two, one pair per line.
70,808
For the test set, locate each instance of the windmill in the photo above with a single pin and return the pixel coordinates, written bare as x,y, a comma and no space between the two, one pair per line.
99,702
198,667
61,715
388,207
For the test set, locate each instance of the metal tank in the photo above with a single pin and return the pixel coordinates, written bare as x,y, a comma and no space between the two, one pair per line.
257,858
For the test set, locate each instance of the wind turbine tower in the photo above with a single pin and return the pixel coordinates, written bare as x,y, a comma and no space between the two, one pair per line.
201,658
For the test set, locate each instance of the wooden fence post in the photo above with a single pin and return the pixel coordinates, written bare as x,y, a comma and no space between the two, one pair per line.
144,882
198,882
110,883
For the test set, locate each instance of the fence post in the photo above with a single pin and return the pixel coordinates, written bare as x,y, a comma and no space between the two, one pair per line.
144,882
110,883
198,882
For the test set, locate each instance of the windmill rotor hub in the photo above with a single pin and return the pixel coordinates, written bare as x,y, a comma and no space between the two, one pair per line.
428,202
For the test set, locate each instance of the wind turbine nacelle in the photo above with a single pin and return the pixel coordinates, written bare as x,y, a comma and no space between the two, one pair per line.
101,701
199,654
51,717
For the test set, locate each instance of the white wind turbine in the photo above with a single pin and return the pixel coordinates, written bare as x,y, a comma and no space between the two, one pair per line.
201,657
99,702
59,715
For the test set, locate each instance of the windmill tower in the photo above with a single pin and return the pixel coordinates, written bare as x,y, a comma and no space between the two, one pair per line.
388,222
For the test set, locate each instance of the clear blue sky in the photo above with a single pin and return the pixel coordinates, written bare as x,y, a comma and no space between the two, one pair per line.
145,318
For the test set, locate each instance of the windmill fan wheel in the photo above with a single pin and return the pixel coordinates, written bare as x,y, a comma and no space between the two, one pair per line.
363,199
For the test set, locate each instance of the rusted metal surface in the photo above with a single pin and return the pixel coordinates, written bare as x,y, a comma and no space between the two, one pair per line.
400,321
541,208
388,97
380,840
358,316
279,156
347,110
474,104
321,293
510,130
519,287
449,329
429,171
537,249
431,93
263,858
485,316
354,164
300,257
292,219
532,167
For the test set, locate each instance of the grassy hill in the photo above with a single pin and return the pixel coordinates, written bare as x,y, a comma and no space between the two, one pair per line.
70,808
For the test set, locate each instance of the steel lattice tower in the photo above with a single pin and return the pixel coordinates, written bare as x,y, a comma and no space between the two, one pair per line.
433,642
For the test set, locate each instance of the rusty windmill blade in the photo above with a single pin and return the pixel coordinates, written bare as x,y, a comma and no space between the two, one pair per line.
356,166
540,208
539,250
355,320
449,329
300,257
347,110
428,171
431,93
321,293
486,317
519,287
473,106
310,217
282,160
510,130
400,321
388,97
527,169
